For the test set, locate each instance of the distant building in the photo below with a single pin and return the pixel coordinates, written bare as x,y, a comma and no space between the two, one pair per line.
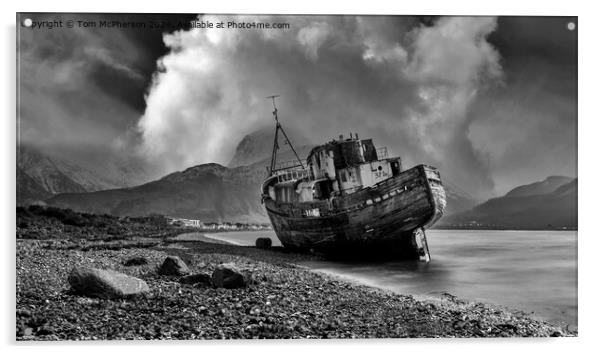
185,222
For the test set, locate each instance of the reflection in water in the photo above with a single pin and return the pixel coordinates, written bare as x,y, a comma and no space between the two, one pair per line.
533,271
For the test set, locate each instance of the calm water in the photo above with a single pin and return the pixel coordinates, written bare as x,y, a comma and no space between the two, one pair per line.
533,271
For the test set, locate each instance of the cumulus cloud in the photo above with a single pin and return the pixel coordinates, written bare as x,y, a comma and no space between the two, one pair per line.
409,86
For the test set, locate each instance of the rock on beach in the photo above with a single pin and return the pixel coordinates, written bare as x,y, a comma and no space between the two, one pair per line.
106,284
263,242
174,265
228,276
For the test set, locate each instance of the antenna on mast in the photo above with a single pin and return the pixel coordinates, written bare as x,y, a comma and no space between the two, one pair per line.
276,147
275,112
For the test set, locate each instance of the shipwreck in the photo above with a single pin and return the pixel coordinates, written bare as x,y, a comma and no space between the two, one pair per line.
349,199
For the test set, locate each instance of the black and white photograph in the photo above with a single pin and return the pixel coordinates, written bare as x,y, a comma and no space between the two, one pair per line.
208,176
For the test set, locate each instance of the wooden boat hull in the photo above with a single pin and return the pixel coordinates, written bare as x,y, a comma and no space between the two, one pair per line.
383,221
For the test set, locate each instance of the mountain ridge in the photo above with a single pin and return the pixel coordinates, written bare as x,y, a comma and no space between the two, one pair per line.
209,192
213,192
523,209
41,175
548,185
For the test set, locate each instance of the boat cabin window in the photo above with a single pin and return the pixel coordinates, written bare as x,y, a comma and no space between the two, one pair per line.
369,150
322,189
395,168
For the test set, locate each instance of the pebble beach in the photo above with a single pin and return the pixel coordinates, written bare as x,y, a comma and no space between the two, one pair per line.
281,299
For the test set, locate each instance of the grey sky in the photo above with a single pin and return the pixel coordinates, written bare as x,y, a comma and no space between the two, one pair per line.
490,101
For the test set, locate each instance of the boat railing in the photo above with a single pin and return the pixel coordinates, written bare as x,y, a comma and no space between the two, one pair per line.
382,153
288,175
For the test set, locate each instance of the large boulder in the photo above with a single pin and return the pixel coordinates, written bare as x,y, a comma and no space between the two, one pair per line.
200,278
228,276
263,242
173,265
106,284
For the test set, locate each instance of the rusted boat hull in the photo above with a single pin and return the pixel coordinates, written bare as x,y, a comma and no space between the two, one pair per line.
383,221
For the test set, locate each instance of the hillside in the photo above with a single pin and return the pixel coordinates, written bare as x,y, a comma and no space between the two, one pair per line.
542,187
40,175
523,210
28,189
211,192
45,171
208,192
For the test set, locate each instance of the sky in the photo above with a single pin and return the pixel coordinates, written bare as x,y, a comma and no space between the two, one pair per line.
491,102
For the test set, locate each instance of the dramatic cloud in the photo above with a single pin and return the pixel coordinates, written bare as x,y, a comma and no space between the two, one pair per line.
527,133
452,63
81,90
61,104
491,102
407,85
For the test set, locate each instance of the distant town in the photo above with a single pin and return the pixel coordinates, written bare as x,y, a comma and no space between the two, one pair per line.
217,226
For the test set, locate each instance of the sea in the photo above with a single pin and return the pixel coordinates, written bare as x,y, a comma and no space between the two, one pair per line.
531,271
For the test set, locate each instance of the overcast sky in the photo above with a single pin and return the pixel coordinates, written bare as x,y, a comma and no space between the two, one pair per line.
490,101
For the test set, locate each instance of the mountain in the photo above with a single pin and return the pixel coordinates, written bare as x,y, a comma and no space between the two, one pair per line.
208,192
45,172
103,170
543,187
212,192
522,209
257,146
40,175
29,190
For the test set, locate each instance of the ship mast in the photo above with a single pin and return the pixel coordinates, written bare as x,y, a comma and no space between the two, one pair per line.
276,147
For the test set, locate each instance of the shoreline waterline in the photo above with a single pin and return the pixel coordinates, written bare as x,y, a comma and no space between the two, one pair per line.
530,271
